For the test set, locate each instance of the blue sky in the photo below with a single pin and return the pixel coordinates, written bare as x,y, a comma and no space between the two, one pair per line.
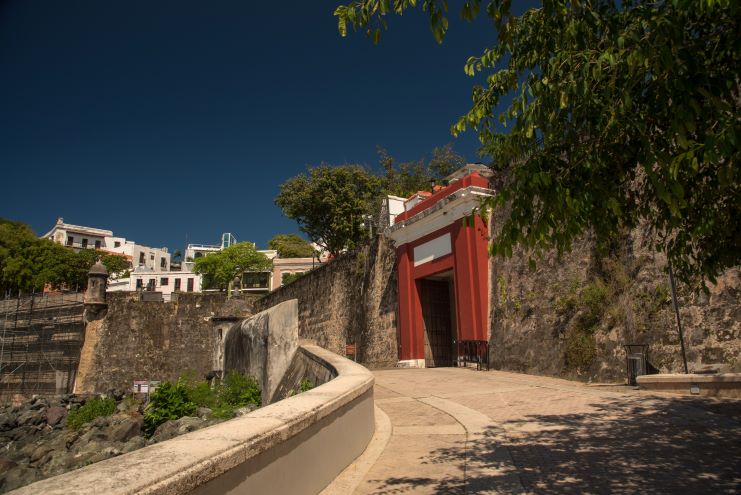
172,120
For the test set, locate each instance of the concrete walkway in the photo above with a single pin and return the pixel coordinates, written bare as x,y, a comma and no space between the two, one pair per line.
450,430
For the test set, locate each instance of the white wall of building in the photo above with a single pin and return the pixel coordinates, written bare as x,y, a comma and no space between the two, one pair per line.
164,281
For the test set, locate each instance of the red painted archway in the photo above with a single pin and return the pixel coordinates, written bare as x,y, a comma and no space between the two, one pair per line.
431,238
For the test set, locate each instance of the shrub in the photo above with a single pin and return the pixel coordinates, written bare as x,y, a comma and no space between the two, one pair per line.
202,395
566,304
580,349
93,408
594,299
306,385
168,402
238,390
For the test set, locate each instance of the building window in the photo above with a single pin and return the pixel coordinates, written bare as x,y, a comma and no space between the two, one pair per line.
177,284
163,262
190,285
84,243
97,244
256,280
151,284
151,257
70,240
139,283
116,244
164,281
141,258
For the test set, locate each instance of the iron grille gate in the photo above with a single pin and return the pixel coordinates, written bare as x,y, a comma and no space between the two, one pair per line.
468,352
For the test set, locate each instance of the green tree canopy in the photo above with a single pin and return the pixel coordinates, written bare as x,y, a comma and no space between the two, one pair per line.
220,268
619,114
291,246
83,260
407,178
28,263
329,204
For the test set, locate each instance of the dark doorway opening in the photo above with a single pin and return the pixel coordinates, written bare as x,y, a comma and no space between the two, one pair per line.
437,299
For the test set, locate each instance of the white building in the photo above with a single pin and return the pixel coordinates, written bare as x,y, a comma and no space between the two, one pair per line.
163,281
251,281
195,251
79,237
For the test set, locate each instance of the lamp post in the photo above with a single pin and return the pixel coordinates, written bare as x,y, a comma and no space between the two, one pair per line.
676,311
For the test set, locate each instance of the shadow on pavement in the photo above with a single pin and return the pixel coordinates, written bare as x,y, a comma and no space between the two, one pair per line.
631,444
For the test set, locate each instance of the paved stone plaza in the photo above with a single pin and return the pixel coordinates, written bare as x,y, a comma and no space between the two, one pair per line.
449,430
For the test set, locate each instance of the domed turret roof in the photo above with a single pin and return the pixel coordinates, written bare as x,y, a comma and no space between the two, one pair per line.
98,269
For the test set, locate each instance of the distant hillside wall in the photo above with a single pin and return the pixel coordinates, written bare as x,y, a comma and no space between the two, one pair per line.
351,299
571,316
139,340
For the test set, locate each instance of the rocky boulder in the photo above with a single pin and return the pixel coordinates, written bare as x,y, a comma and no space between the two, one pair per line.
171,429
55,414
125,428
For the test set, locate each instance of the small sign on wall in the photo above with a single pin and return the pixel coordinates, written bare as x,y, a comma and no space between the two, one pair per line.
145,386
431,250
141,386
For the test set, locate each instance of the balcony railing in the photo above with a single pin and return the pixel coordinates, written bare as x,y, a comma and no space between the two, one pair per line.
79,245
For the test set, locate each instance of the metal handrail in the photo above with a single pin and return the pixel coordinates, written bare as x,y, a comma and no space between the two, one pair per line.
471,352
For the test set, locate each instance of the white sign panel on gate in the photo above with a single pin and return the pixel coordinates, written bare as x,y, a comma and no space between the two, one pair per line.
431,250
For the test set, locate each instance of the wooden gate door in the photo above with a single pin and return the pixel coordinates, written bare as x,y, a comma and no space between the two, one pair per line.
435,298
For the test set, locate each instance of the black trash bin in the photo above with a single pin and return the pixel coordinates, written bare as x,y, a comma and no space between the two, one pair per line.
636,361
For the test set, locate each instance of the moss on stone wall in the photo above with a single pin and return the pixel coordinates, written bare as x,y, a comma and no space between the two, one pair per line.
589,304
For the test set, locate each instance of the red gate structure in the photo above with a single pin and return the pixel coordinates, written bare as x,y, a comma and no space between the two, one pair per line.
441,245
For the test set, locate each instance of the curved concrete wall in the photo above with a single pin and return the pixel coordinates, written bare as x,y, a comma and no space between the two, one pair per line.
296,446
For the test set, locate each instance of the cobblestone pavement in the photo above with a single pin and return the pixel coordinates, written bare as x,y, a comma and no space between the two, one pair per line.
462,431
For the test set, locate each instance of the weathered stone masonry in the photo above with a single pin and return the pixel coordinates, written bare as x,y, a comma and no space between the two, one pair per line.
139,340
572,316
351,299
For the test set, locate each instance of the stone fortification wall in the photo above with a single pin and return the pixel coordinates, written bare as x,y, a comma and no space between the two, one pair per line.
139,340
571,316
263,346
351,299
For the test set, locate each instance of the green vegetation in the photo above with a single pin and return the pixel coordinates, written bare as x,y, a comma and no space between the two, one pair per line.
238,390
220,268
28,263
291,246
580,348
287,278
502,284
93,408
622,113
173,401
407,178
333,204
168,402
306,385
594,301
329,204
567,303
604,302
